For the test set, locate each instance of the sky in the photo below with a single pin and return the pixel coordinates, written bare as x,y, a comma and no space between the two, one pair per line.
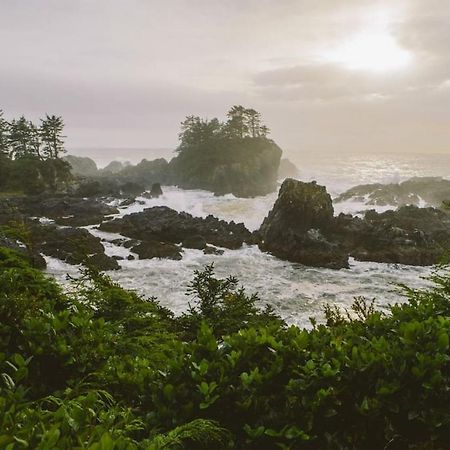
327,75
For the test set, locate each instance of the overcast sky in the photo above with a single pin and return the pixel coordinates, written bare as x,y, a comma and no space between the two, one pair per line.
332,75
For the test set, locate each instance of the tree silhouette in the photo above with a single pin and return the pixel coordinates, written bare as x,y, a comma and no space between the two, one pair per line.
253,120
20,138
236,125
51,136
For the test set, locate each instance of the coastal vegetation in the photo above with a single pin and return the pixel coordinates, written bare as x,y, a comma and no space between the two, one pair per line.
30,155
95,366
99,367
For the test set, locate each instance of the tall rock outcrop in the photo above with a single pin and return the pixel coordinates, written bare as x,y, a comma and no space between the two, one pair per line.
297,226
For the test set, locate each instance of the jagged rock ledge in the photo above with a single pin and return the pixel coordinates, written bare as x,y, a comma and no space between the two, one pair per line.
162,232
417,191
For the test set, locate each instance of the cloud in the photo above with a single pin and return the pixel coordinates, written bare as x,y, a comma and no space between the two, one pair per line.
126,73
327,82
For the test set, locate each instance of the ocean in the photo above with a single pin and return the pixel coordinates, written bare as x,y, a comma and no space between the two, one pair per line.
295,292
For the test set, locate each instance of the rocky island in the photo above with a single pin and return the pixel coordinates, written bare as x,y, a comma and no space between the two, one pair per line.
232,157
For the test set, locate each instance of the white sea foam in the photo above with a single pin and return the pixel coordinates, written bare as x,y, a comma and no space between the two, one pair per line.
295,291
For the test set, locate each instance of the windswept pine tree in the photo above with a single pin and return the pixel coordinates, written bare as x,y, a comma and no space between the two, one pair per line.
242,123
20,138
51,136
197,131
253,119
237,121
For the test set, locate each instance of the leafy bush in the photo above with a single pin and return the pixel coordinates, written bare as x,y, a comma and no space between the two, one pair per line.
100,367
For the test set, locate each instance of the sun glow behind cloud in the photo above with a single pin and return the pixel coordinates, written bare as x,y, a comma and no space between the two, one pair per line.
371,49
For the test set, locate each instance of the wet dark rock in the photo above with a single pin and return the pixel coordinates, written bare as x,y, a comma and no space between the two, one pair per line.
78,221
65,210
130,243
163,224
415,191
131,258
155,249
297,226
72,245
301,205
119,241
197,242
103,262
301,228
409,235
34,257
210,250
63,243
127,202
155,191
65,206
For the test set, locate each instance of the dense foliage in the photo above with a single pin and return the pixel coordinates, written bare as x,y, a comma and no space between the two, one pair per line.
99,367
30,155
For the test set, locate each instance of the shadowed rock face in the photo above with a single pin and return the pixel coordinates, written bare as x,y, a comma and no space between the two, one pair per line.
300,205
244,168
296,227
65,210
72,245
155,249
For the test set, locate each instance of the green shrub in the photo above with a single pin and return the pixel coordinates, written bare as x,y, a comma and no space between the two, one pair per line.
99,367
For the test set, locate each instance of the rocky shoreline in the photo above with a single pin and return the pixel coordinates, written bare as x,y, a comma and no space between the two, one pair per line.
301,227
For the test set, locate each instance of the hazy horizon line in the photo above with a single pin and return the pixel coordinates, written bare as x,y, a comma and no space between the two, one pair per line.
315,150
